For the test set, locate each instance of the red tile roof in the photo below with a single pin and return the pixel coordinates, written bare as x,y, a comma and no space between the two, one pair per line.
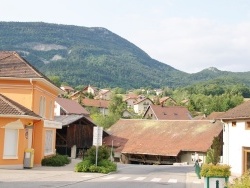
71,106
166,138
10,108
141,100
214,115
164,99
241,111
169,112
95,103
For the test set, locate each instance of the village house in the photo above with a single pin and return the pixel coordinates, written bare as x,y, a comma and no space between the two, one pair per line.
27,126
130,102
91,90
162,141
67,89
104,94
101,105
236,134
167,101
159,112
140,106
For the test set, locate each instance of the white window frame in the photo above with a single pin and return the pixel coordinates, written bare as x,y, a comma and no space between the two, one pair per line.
49,142
11,153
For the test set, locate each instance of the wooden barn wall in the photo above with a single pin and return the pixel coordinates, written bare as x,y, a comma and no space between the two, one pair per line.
80,134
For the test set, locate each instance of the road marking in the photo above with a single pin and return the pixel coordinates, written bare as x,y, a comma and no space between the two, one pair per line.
156,179
124,178
172,181
140,178
108,177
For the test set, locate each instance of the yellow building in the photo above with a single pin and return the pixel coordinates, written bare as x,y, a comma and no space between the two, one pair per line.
27,123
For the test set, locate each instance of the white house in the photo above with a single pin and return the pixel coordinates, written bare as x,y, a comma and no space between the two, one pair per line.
142,105
236,134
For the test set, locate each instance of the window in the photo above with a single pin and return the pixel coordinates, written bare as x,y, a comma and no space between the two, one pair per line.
247,125
51,110
42,106
246,159
10,144
49,142
234,124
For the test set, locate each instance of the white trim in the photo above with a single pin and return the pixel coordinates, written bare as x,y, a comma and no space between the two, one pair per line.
52,124
14,125
20,117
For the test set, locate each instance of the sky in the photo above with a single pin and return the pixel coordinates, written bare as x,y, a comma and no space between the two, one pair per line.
189,35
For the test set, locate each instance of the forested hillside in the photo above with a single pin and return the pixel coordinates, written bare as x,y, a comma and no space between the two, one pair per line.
96,56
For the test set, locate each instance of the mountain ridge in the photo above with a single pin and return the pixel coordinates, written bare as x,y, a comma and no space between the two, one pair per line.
81,56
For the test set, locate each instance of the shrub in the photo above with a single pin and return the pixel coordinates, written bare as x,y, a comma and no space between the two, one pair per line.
103,166
210,170
103,153
83,166
56,160
242,182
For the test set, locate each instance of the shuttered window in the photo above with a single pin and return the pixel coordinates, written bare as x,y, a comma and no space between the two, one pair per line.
49,142
10,144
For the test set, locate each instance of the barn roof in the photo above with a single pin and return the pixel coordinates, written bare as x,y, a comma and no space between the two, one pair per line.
164,137
68,119
71,106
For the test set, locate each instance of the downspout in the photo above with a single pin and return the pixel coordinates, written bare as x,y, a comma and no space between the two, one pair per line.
32,101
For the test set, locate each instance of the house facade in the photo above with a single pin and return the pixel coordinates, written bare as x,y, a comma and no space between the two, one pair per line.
102,105
25,88
236,134
141,105
104,94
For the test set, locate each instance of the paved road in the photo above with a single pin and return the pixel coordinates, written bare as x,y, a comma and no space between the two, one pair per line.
127,176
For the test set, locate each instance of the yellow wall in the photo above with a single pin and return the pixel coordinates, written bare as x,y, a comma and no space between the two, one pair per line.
38,142
28,94
22,144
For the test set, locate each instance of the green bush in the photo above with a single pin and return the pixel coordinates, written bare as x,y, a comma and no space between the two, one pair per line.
56,160
242,182
83,166
103,153
211,170
103,166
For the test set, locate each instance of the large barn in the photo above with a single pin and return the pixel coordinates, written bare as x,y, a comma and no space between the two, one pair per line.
161,141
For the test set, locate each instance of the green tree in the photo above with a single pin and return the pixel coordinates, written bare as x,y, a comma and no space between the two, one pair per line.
116,105
55,80
214,153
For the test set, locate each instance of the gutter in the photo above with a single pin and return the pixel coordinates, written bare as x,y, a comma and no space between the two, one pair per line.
20,117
